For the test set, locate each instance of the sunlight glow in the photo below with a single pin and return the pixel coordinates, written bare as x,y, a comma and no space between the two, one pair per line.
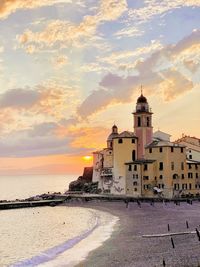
87,158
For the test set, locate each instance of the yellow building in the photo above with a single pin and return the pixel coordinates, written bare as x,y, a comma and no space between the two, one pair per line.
142,165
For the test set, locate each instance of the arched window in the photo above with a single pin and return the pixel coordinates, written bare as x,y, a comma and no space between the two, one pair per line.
133,155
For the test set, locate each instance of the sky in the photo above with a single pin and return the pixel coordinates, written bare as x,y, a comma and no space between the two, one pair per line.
70,69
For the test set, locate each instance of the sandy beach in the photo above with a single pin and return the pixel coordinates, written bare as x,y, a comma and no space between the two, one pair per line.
127,247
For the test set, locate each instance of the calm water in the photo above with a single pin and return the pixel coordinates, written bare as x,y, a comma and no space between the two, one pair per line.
12,187
47,236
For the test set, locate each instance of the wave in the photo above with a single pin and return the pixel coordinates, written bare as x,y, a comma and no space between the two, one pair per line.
52,253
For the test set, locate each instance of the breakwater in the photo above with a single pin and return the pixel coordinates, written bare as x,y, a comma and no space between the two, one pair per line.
61,198
29,204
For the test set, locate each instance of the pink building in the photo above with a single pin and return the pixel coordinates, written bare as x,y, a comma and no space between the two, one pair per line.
143,125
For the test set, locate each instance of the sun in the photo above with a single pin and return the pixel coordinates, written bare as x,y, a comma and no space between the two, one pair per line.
87,158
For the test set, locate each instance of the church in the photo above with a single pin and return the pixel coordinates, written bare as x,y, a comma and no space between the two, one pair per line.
145,164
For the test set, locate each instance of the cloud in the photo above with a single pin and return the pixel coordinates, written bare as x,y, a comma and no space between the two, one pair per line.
60,61
174,84
128,32
50,101
89,138
8,7
160,73
66,33
120,56
112,9
44,139
19,98
154,8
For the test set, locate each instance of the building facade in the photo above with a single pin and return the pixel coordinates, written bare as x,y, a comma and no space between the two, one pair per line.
143,164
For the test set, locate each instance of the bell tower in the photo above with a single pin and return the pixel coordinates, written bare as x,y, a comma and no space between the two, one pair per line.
142,124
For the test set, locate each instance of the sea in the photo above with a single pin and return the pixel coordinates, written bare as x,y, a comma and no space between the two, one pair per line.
58,236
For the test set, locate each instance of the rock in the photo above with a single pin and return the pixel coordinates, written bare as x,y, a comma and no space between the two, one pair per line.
84,183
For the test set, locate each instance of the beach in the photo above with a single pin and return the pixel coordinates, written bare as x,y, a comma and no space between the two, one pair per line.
126,247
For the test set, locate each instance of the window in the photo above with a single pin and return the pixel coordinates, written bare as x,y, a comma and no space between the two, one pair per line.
172,165
176,186
133,141
129,167
182,176
182,166
175,176
135,167
196,167
172,149
163,186
148,121
150,150
145,177
160,149
133,155
196,175
184,186
135,189
136,176
120,141
145,167
146,186
135,183
181,149
160,166
161,177
133,176
190,175
139,122
190,156
190,186
189,166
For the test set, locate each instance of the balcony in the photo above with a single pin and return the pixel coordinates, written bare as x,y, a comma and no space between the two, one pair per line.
106,172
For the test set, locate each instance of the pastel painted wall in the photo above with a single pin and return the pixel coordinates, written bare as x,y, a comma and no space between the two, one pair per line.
122,154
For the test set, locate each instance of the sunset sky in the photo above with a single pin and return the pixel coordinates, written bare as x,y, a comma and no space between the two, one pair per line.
70,69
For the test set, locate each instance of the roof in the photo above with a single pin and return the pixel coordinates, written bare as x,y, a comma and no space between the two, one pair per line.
162,143
161,135
141,161
141,99
111,136
126,134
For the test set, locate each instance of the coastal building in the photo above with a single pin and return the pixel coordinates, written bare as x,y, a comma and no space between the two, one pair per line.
192,146
143,164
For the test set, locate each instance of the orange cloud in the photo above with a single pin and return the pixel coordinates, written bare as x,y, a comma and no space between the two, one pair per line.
85,137
67,33
8,7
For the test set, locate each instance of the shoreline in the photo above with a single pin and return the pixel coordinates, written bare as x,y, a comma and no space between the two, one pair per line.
126,247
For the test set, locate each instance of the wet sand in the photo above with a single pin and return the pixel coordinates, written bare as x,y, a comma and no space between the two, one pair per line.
127,247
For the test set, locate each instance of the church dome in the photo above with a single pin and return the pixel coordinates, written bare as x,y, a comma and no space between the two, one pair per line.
141,99
113,134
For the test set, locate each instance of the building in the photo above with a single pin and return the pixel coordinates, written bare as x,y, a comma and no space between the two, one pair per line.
143,164
192,146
